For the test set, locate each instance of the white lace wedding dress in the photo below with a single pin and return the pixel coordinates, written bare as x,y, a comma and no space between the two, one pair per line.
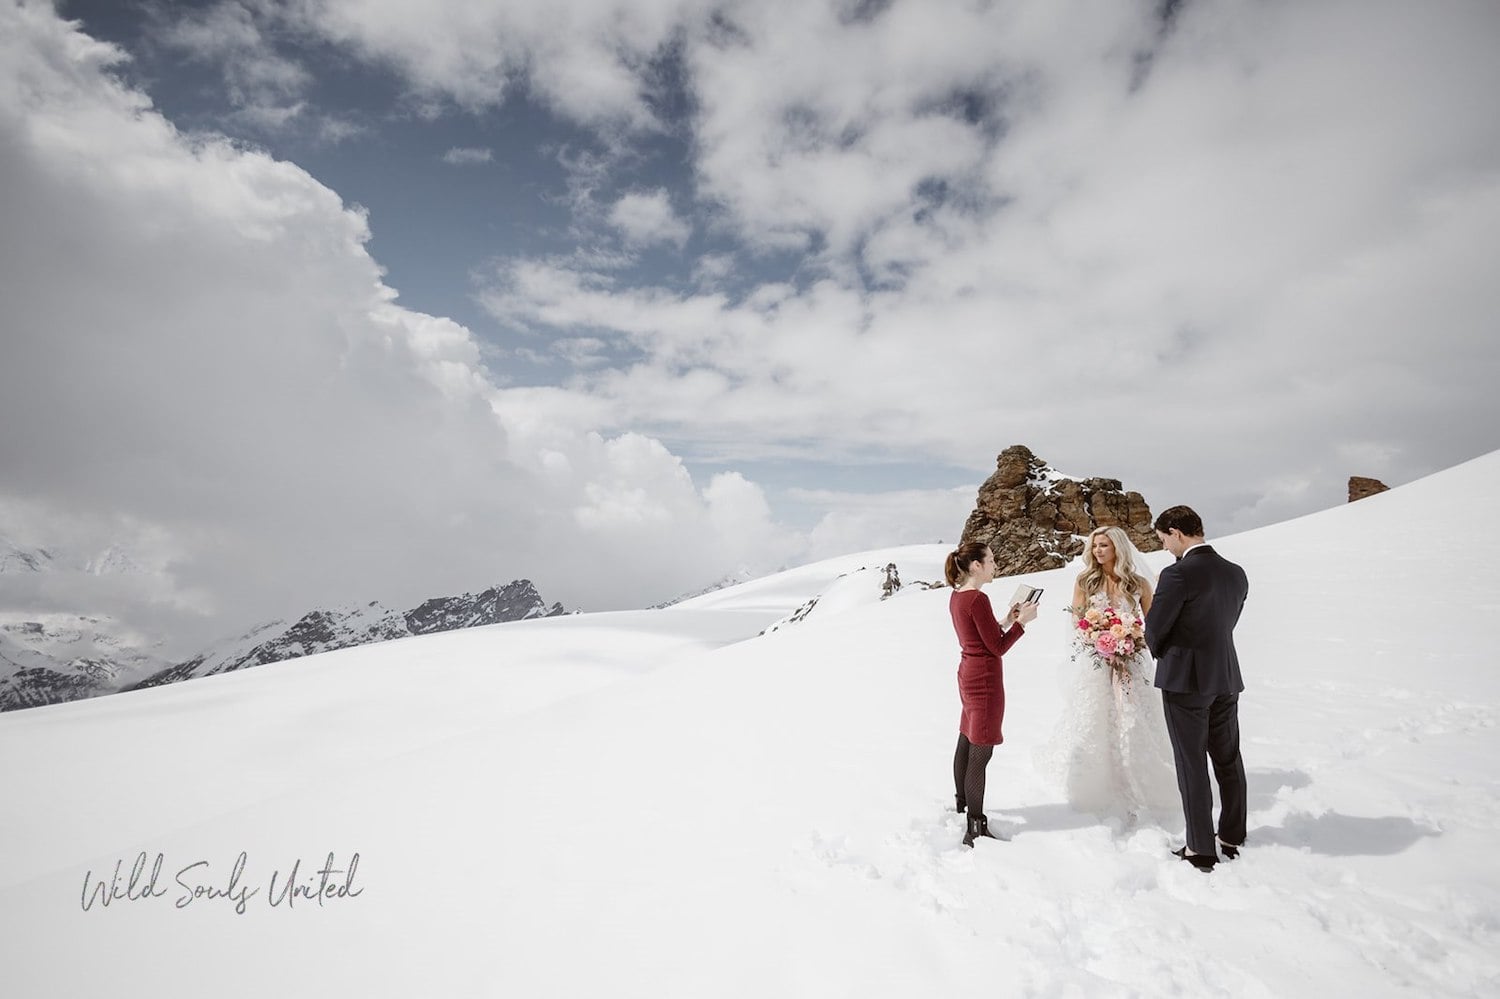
1110,749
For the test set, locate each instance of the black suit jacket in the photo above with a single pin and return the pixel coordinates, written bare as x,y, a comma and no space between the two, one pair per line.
1190,627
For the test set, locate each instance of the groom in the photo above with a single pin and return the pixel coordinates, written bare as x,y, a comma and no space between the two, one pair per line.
1190,631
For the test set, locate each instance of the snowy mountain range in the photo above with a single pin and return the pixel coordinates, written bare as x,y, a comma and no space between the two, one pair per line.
733,579
51,658
342,628
14,558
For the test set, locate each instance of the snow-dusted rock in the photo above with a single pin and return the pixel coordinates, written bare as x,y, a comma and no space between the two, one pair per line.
1032,515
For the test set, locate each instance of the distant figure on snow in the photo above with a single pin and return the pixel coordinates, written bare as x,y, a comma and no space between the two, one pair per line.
981,683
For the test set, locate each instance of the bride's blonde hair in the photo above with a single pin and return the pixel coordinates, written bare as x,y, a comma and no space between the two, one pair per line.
1126,571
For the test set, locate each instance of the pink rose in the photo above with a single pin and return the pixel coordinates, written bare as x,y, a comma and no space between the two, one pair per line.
1105,643
1083,624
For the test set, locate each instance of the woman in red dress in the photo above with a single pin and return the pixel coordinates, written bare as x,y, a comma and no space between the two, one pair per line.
981,681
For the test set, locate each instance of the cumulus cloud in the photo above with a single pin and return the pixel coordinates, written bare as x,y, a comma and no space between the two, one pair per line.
1207,219
1230,259
591,60
710,269
851,522
461,156
647,218
1093,233
203,363
262,83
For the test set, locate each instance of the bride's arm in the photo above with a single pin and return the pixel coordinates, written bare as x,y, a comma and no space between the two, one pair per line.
1078,601
1145,595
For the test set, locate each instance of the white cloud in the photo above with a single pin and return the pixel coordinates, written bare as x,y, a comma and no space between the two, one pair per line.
203,362
853,522
589,59
460,156
334,130
811,127
581,351
261,82
1229,264
647,218
712,268
1261,249
740,514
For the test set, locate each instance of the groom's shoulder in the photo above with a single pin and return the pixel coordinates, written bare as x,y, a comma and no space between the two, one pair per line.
1225,567
1219,557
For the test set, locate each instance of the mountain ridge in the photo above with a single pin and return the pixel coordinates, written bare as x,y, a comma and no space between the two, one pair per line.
35,674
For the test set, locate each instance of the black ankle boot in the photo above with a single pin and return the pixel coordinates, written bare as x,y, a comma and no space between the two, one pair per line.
979,828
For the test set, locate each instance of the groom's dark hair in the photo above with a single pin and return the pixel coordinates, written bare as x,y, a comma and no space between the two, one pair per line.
1181,518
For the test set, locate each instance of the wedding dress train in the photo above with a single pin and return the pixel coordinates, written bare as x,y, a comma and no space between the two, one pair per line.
1110,749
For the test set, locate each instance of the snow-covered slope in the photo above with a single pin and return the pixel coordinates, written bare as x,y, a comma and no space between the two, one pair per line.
661,803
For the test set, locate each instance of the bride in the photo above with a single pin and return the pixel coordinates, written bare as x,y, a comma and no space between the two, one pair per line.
1110,748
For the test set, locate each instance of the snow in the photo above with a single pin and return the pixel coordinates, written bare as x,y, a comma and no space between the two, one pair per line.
665,802
14,558
115,560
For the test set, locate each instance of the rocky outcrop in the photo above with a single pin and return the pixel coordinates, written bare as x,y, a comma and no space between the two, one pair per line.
1360,487
35,687
515,601
1034,517
892,582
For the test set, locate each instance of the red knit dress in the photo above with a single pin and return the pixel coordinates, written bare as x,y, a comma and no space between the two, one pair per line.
981,679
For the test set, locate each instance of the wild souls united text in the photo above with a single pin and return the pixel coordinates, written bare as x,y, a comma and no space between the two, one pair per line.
196,883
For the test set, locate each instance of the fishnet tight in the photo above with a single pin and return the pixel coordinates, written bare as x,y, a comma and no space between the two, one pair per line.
969,762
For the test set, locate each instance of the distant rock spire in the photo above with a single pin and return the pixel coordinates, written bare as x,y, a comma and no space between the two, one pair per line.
1360,487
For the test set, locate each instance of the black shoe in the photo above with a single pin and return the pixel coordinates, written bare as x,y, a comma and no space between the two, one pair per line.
1229,850
979,828
960,805
1201,861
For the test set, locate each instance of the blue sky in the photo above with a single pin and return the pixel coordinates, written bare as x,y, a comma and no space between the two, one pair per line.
455,193
627,295
450,190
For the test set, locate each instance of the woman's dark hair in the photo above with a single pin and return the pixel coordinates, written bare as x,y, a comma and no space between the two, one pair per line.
956,566
1181,518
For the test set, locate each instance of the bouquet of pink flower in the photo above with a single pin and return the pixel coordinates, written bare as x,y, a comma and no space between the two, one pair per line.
1106,636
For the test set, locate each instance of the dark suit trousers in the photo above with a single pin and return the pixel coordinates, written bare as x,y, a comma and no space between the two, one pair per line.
1206,727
